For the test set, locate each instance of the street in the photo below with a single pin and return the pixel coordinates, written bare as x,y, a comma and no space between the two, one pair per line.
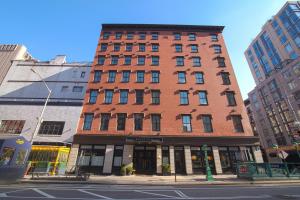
92,192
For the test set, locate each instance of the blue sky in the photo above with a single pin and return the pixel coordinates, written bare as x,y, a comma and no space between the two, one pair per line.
51,27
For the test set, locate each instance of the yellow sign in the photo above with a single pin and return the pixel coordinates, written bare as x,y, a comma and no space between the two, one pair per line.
20,141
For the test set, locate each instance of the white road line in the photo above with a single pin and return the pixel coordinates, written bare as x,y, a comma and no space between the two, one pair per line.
43,193
181,194
3,195
93,194
162,195
235,197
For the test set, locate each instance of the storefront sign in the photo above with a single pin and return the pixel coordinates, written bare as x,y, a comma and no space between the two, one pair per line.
144,139
20,141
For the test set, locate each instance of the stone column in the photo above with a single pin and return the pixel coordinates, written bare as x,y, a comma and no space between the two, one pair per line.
257,154
109,155
243,151
158,159
73,157
128,155
172,160
188,160
217,160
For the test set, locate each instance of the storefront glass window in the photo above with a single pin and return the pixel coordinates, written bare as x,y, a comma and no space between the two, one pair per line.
7,155
20,160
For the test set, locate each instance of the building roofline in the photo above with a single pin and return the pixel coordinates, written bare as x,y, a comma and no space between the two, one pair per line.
198,28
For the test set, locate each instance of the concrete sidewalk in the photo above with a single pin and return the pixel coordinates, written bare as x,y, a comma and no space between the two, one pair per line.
155,180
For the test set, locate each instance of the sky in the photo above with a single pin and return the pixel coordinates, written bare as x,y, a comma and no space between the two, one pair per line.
72,27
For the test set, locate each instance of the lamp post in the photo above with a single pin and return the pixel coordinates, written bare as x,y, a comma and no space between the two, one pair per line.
44,107
209,176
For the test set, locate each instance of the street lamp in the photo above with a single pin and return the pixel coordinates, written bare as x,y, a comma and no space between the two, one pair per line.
45,105
209,176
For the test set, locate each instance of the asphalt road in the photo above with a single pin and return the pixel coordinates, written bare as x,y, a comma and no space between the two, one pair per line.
93,192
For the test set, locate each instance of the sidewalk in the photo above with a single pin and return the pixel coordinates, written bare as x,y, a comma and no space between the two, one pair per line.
156,180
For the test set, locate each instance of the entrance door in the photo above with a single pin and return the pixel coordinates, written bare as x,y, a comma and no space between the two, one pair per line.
144,159
179,160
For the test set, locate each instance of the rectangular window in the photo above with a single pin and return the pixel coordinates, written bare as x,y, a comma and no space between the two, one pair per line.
112,76
125,76
77,89
106,35
11,126
155,119
199,77
118,35
114,60
231,98
155,47
192,36
194,48
142,36
101,60
177,36
128,47
184,97
217,48
121,121
117,47
203,98
155,60
207,125
155,76
178,48
140,76
214,37
93,96
186,123
225,78
129,36
139,96
141,60
179,60
154,36
103,47
51,128
142,47
237,123
97,76
123,96
155,94
221,62
196,61
138,121
108,96
181,77
88,120
105,117
64,88
82,75
7,156
127,60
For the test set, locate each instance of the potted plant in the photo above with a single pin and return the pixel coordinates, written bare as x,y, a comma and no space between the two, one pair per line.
123,170
166,169
129,170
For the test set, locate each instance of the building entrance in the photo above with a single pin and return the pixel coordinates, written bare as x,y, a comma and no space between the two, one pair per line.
179,160
144,159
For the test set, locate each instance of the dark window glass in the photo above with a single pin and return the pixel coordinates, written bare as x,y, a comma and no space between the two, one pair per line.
207,125
221,61
117,46
123,96
217,48
230,98
155,47
199,77
114,60
121,121
178,47
155,118
82,75
97,75
214,37
127,60
192,36
93,96
88,120
105,117
125,76
129,36
103,47
77,89
196,61
140,75
154,36
203,98
237,123
181,77
11,126
108,96
225,78
142,36
155,76
179,60
184,97
194,48
101,60
142,47
106,35
118,35
138,121
155,60
155,94
139,96
51,128
177,36
112,76
141,60
186,123
129,47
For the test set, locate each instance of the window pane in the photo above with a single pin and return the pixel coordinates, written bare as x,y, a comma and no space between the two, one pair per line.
138,121
88,119
105,117
207,125
186,123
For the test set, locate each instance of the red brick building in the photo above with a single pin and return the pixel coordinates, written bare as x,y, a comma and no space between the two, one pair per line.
156,94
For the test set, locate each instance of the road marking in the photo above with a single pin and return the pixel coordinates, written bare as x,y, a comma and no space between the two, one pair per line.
181,194
93,194
43,193
236,197
162,195
3,195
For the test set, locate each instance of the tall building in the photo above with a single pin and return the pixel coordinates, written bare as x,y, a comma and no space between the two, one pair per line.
156,94
8,53
273,58
279,40
22,98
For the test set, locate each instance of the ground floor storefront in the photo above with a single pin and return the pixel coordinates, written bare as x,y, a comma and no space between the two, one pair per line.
150,155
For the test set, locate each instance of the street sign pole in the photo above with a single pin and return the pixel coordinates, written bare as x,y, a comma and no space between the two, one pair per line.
209,176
